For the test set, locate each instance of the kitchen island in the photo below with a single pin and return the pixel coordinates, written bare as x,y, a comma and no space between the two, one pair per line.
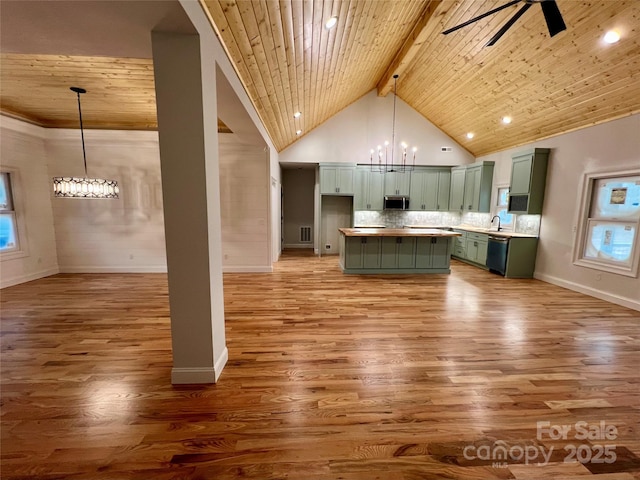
395,250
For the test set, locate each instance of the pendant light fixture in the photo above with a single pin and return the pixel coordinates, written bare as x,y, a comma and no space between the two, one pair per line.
380,159
76,187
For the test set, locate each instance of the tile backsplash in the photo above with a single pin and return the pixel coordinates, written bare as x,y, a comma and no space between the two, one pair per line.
529,224
399,218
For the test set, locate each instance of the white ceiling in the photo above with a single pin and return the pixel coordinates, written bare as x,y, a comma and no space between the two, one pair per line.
86,27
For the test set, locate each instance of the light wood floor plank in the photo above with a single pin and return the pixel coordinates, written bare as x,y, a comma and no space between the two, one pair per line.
329,377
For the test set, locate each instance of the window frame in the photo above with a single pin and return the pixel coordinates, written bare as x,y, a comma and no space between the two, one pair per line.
585,219
496,207
21,249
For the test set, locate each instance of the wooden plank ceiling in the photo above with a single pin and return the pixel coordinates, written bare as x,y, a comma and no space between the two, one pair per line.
288,62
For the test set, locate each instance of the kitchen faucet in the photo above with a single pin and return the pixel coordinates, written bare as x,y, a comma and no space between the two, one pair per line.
494,217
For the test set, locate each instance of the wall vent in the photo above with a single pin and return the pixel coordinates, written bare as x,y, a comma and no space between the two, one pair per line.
446,149
305,234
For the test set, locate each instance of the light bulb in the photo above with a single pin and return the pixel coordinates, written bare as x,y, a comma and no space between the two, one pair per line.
331,22
506,120
470,135
415,149
297,115
298,132
612,36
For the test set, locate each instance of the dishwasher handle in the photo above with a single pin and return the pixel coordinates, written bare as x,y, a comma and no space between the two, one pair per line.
499,239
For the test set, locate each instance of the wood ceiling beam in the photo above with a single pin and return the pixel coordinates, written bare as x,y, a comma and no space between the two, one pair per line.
409,49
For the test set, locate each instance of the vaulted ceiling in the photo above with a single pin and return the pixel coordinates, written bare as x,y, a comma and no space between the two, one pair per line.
288,61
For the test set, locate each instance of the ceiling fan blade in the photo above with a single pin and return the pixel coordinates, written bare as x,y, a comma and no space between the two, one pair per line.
553,17
508,25
480,17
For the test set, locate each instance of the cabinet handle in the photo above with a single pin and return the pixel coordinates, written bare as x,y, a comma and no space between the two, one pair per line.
469,207
363,239
475,244
438,207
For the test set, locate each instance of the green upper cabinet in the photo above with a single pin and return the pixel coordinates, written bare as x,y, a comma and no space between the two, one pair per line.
337,179
397,183
477,187
444,186
528,179
429,189
456,193
368,194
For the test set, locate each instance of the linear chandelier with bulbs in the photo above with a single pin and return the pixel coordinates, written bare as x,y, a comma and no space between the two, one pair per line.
84,187
383,162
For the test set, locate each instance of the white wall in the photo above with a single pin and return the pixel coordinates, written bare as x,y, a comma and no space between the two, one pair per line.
244,198
337,212
348,136
23,154
117,235
607,147
127,234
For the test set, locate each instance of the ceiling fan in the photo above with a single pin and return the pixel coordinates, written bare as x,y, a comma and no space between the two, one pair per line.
550,10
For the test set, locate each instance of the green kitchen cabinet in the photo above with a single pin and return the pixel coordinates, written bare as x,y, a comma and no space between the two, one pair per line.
398,252
528,179
368,193
456,193
477,187
429,190
432,252
397,183
521,257
444,186
362,252
460,245
476,248
337,179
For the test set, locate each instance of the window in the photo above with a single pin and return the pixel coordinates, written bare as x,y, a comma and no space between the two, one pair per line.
501,209
608,238
8,227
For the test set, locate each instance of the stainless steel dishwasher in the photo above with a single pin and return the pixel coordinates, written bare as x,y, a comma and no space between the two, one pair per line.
497,251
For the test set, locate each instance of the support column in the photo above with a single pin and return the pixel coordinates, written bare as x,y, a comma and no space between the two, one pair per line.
188,132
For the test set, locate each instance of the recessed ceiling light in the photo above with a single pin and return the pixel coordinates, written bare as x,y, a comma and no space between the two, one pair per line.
506,120
611,36
298,132
331,22
470,135
297,115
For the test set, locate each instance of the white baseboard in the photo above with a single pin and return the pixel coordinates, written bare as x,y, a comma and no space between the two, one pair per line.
113,269
248,269
298,245
11,281
609,297
181,376
221,362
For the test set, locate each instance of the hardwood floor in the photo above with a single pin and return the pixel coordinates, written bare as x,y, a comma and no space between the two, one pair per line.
329,377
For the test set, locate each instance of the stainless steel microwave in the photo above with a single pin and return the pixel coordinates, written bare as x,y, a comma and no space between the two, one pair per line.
396,202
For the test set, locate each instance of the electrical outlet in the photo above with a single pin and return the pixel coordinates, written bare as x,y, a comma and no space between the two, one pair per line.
327,246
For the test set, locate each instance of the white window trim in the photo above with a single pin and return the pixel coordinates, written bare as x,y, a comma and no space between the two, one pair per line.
18,209
588,181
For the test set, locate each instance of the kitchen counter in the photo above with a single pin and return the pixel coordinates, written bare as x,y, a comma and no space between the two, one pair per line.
395,250
469,228
397,232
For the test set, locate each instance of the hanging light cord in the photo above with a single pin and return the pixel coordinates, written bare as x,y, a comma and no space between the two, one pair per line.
84,153
393,128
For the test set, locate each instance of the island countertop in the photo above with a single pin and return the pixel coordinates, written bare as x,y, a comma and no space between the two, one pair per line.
397,232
